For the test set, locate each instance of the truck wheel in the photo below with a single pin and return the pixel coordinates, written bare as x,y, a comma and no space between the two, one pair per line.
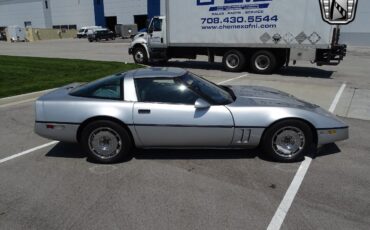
106,142
140,56
234,61
263,62
288,141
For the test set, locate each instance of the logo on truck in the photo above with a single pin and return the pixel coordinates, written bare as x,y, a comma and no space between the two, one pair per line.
232,4
337,12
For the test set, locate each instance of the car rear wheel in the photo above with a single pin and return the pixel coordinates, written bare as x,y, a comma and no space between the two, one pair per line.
288,141
106,142
140,56
234,61
263,62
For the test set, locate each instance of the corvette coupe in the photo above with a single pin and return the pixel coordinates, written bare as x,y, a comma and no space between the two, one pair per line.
174,108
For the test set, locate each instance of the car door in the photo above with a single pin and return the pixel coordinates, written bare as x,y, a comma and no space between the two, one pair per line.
165,116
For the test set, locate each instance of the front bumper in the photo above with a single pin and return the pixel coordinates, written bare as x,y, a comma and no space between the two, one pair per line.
57,131
331,135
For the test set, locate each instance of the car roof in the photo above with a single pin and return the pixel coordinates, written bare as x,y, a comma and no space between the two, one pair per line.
152,72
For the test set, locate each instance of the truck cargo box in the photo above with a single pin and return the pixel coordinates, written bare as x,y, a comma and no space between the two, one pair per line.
247,23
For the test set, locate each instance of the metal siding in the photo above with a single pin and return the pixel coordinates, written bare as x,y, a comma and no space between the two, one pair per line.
16,12
72,12
154,8
125,10
358,32
99,12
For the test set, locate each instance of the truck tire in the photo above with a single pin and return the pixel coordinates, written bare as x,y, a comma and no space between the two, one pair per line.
263,62
140,56
234,61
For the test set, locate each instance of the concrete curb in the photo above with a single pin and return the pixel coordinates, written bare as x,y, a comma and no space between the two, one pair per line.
22,98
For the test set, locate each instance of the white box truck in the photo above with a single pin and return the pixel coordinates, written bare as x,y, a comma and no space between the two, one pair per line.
264,35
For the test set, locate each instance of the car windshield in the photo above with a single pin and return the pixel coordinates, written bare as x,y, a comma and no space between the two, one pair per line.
81,31
208,90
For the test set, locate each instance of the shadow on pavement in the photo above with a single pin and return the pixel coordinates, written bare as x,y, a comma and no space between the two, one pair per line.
291,71
326,150
195,154
66,150
313,72
191,64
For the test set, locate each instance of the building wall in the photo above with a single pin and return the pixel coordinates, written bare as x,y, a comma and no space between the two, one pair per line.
16,12
125,9
358,32
73,12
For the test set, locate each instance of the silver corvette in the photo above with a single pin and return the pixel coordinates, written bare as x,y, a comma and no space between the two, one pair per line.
173,108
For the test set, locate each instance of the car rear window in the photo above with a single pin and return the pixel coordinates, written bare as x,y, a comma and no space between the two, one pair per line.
110,88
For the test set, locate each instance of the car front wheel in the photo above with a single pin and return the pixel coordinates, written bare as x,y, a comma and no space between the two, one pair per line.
106,142
288,141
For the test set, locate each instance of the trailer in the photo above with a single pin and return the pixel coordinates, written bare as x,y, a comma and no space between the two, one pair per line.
16,34
263,35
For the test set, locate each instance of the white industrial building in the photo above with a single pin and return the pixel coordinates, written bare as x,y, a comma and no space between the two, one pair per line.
108,13
72,13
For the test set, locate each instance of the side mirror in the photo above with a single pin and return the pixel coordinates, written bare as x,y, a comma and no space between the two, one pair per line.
201,104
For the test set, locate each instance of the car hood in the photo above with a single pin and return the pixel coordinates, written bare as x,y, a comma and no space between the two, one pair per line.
247,96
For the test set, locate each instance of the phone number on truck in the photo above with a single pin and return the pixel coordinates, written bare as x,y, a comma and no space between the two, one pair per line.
240,19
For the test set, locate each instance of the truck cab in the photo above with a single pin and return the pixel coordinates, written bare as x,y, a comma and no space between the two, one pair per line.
153,45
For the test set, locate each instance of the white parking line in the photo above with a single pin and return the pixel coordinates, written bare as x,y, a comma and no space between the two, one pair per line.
27,151
281,212
337,97
232,79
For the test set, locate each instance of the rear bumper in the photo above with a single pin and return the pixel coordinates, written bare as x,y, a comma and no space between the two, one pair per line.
331,135
57,131
331,56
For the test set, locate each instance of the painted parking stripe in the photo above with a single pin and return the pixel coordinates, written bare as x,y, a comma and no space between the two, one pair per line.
337,97
286,203
28,151
233,79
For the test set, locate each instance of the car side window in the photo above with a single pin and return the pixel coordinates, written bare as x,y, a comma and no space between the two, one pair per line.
108,89
164,90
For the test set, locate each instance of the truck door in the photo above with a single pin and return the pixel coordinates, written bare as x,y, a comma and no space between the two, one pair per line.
156,33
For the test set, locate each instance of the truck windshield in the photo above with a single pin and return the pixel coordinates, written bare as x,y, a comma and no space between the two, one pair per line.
210,91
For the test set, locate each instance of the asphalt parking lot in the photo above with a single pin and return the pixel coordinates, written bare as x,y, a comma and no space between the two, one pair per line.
55,187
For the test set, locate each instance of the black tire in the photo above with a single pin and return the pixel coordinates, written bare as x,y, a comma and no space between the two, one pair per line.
140,56
263,62
294,131
90,40
281,61
234,61
115,137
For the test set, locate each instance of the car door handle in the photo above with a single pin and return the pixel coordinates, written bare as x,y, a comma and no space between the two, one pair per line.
144,111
